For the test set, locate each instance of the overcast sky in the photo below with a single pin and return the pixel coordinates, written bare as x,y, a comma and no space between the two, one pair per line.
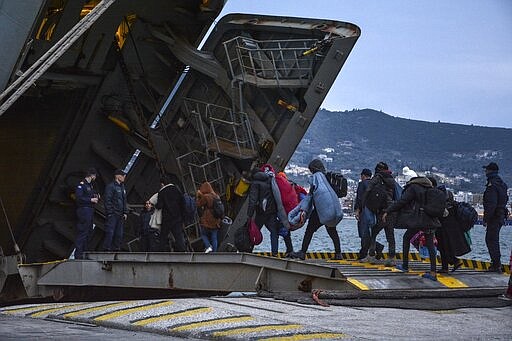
447,60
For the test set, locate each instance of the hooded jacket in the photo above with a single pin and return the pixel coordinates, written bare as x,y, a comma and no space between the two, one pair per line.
204,200
413,192
495,197
261,199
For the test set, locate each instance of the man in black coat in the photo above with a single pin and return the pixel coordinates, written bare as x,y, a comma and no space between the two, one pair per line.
495,212
383,179
263,207
172,203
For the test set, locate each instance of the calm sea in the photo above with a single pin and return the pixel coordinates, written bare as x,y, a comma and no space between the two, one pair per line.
350,241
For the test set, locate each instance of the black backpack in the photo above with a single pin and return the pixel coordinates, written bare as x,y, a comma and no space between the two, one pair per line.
466,215
338,183
434,203
242,239
218,208
376,198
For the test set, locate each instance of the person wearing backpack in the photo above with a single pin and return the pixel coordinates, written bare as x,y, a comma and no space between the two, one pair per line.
410,205
365,218
171,202
327,211
451,241
495,213
378,196
262,205
209,219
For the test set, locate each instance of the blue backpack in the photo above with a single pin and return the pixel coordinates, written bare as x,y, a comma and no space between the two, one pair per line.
398,192
466,215
190,209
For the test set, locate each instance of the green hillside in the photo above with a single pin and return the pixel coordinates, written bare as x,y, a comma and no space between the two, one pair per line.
361,138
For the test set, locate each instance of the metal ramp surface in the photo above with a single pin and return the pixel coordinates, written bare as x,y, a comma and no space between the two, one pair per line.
219,272
470,278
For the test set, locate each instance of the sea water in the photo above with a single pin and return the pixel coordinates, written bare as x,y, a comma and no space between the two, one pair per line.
350,241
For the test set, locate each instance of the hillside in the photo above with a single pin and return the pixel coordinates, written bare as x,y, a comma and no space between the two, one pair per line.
361,138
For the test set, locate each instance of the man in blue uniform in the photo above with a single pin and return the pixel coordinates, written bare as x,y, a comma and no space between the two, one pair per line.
86,197
116,208
495,212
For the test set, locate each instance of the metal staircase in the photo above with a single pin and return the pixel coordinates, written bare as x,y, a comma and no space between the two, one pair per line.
271,63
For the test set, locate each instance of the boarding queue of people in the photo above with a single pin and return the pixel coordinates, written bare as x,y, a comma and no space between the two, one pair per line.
429,214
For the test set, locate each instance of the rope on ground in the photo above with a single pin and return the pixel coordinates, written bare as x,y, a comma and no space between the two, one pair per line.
315,294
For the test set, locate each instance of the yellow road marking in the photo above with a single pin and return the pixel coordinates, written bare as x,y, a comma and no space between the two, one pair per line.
93,309
35,307
213,322
132,310
47,311
451,282
172,315
306,337
357,283
257,329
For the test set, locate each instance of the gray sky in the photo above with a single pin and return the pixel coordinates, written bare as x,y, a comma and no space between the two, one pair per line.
447,60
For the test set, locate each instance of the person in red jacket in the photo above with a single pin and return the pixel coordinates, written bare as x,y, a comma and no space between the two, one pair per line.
209,224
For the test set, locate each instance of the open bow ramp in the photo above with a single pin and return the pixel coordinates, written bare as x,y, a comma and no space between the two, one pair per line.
221,272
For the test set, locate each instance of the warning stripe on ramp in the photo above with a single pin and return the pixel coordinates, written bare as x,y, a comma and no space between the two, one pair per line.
311,336
256,329
51,310
163,317
123,312
212,322
93,309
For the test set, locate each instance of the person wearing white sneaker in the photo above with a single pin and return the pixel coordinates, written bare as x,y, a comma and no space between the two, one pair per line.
209,223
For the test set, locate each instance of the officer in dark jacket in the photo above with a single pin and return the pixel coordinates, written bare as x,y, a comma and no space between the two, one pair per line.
495,212
116,208
86,198
382,178
262,206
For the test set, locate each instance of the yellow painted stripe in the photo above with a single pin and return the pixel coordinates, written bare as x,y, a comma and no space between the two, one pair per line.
172,315
357,283
256,329
35,307
48,311
93,309
450,282
197,325
132,310
312,336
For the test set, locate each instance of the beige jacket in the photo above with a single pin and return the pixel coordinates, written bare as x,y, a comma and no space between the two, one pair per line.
156,218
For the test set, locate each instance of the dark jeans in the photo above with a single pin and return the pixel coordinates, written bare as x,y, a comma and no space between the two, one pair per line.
272,224
149,240
209,237
492,239
313,225
174,227
83,229
114,228
288,242
389,229
429,238
364,227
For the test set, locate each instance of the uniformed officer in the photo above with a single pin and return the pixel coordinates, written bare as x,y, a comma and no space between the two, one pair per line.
116,208
495,212
86,197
